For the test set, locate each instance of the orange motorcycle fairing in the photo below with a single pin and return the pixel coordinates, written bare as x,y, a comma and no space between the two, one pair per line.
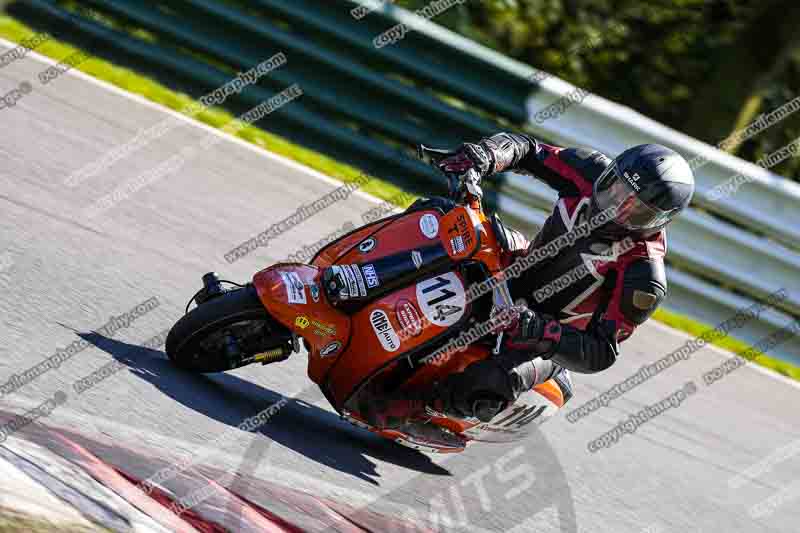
293,296
398,325
333,252
407,320
458,232
402,232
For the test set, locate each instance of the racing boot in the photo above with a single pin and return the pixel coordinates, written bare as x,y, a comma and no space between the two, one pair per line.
485,388
392,411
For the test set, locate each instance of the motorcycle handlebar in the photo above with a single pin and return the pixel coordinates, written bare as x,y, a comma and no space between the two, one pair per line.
462,186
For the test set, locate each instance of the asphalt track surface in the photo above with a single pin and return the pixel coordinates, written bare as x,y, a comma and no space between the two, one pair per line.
64,274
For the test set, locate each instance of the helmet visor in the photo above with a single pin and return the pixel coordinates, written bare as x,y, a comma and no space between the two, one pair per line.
620,194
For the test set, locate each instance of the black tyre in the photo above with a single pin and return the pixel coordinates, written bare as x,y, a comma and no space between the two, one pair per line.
217,335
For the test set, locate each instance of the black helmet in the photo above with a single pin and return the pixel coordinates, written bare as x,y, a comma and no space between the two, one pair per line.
646,186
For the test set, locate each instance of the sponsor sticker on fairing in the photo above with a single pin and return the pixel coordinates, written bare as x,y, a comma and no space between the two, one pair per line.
331,349
350,279
461,230
367,245
314,290
322,329
416,257
362,288
409,318
354,279
429,225
457,243
295,290
384,330
371,276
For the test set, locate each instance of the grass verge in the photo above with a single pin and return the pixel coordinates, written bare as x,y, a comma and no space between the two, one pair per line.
695,328
13,522
128,80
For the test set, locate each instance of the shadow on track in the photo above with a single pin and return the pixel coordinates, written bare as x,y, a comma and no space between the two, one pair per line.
318,434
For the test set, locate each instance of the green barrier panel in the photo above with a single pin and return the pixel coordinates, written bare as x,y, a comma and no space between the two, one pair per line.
372,155
488,80
350,109
222,43
351,75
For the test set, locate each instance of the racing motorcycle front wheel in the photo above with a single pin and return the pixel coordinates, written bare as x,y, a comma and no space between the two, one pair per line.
227,330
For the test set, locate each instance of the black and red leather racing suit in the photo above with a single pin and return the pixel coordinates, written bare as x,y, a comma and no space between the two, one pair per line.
598,289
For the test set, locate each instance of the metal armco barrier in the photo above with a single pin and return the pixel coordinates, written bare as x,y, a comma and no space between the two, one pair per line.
369,106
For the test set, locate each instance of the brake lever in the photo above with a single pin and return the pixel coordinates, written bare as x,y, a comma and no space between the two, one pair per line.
471,181
461,186
465,188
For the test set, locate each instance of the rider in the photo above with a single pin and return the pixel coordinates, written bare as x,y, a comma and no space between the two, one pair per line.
569,321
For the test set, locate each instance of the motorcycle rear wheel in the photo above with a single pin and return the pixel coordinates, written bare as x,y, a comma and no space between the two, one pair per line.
225,333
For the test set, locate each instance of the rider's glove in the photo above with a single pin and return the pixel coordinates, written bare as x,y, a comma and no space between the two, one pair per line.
468,156
530,334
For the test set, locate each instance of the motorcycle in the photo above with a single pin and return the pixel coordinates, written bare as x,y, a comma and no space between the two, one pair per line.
369,309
